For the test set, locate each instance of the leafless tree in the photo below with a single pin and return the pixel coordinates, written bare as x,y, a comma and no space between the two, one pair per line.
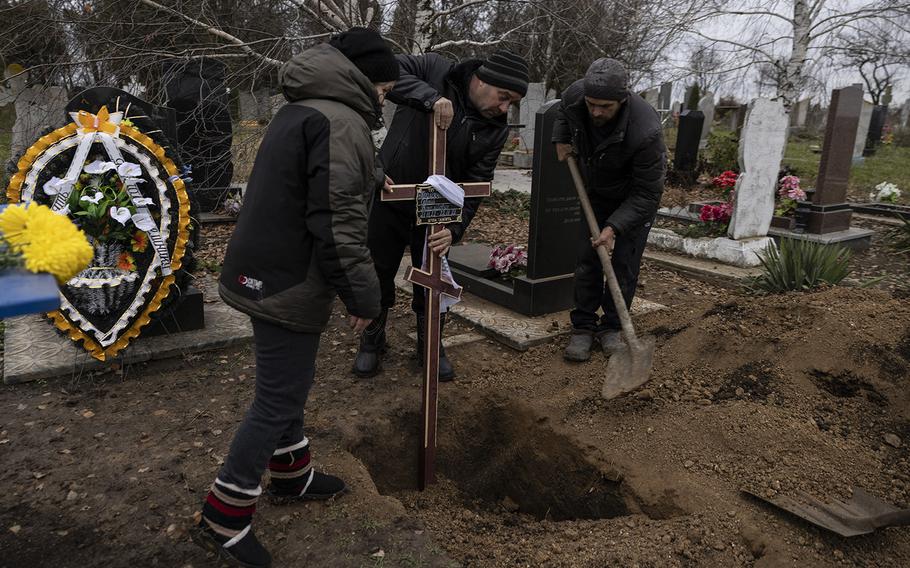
879,51
789,35
707,67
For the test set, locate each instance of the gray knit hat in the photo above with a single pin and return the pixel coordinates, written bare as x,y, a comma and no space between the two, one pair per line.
505,70
607,79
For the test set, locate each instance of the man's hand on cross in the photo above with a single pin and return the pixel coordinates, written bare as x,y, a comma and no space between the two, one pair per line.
440,241
444,112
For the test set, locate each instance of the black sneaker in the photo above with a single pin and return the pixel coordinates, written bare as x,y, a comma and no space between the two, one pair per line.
317,487
248,552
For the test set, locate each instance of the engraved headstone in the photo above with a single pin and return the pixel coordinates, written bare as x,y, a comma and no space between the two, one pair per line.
554,226
829,211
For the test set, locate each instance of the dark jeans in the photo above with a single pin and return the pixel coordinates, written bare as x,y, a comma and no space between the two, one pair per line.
393,227
285,367
591,290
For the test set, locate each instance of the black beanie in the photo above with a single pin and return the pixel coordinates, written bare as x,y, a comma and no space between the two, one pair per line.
368,52
607,79
505,70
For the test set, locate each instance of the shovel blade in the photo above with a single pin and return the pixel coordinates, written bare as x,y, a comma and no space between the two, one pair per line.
629,368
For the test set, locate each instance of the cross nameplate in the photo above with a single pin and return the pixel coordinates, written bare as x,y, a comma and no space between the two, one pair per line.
435,214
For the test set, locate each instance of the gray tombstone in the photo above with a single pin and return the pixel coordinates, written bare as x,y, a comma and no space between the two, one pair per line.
761,148
904,116
829,211
652,96
38,109
688,137
799,113
553,236
676,108
248,108
530,104
862,130
663,100
706,106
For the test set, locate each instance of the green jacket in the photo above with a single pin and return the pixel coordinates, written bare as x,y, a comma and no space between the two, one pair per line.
301,236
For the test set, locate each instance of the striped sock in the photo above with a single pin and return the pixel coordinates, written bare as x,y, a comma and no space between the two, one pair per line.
291,469
228,511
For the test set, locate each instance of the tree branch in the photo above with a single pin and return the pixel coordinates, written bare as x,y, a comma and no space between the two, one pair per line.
214,31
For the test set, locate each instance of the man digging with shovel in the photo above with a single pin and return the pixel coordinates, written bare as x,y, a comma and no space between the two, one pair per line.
618,139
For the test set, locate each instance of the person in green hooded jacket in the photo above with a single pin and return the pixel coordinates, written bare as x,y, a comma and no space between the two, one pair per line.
300,241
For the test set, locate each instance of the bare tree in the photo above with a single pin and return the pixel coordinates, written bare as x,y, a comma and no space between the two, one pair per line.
706,67
878,50
789,35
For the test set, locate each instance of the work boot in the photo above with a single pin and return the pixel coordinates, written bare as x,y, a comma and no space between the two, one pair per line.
579,347
446,371
372,346
225,528
610,341
294,479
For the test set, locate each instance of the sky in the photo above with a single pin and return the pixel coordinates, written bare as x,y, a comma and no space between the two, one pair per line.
774,31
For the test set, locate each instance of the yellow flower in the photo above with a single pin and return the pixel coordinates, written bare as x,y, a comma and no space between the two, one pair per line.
48,242
13,221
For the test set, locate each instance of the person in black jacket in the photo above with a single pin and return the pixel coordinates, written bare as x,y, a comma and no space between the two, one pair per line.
618,139
300,241
470,100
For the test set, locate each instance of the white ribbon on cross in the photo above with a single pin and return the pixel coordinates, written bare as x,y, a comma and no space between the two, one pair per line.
454,193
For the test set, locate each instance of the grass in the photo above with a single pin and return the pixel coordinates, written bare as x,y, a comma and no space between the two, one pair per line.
888,164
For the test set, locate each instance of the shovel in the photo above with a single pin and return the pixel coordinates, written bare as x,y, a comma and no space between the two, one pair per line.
629,367
862,514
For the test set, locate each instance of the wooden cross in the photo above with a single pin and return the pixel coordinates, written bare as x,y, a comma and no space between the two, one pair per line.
431,279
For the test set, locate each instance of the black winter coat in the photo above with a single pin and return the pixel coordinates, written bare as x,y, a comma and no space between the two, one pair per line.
301,235
627,169
473,142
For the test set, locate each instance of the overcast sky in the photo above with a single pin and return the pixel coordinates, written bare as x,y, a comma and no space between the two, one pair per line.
774,32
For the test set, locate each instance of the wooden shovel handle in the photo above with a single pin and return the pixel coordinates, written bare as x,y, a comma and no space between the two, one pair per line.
615,292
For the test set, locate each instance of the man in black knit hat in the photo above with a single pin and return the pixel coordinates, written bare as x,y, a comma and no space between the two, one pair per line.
470,100
618,139
300,241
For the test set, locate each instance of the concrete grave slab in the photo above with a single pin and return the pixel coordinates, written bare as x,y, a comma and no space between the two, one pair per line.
511,328
742,253
35,350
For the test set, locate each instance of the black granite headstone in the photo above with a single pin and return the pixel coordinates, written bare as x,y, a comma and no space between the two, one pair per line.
876,125
555,212
552,240
196,90
685,159
159,122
